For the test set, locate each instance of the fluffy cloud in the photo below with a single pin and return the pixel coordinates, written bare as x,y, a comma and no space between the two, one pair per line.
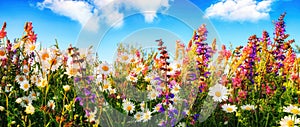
240,10
89,13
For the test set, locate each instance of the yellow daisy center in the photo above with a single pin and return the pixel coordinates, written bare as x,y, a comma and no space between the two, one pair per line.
32,47
248,108
218,94
229,109
129,108
73,71
290,123
26,86
105,86
105,68
125,57
295,111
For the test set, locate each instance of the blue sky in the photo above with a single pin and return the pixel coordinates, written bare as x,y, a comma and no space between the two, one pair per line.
104,23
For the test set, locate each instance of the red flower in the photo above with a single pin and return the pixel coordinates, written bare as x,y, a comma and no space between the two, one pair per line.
2,32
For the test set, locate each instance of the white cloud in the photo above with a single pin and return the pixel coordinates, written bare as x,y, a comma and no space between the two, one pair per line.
240,10
89,13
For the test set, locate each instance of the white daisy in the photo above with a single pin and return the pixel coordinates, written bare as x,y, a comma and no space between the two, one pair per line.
19,100
34,79
182,124
20,79
131,78
152,95
112,91
33,95
106,86
128,107
146,116
176,99
218,92
44,54
157,107
51,104
292,109
139,68
105,68
26,101
175,89
143,105
29,109
229,108
248,107
138,116
72,71
25,86
289,121
124,58
25,69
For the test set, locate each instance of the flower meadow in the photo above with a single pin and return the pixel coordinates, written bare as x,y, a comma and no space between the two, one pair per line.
257,84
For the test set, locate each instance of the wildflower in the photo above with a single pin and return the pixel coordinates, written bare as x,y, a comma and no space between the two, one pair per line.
43,83
112,91
218,92
26,101
105,68
34,79
51,104
128,107
289,121
146,116
20,79
44,54
2,108
131,78
229,108
139,68
66,88
292,109
248,107
153,94
25,86
138,116
33,95
175,89
143,105
2,53
2,32
29,109
106,86
72,71
19,100
124,58
182,124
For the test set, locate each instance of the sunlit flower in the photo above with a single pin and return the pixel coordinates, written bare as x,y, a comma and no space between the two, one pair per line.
43,82
105,68
20,79
128,107
44,54
72,70
25,86
29,109
66,88
292,109
218,92
138,116
131,78
229,108
2,53
146,116
175,89
19,100
248,107
289,121
51,104
139,68
2,108
153,94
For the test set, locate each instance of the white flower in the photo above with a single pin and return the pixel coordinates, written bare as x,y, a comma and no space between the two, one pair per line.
92,115
2,108
229,108
289,121
176,99
112,91
42,83
51,104
182,124
131,78
66,88
146,116
143,106
33,95
157,107
25,86
175,89
26,101
19,100
152,95
128,106
72,71
25,69
124,58
34,79
292,109
173,68
138,116
20,79
29,109
105,68
248,107
218,92
139,68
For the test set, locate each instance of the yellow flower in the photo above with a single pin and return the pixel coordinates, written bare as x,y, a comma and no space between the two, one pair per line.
43,83
66,88
29,109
